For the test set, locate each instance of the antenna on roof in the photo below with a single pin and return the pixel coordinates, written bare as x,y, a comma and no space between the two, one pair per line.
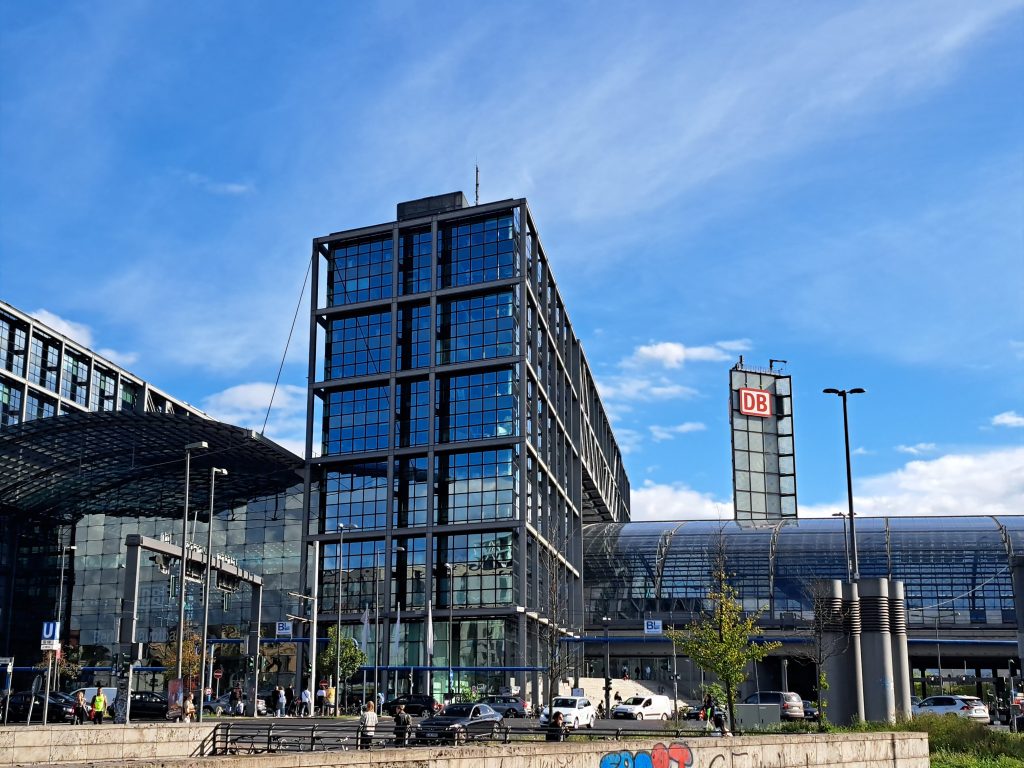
477,199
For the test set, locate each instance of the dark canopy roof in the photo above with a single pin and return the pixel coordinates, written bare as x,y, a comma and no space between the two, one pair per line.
123,463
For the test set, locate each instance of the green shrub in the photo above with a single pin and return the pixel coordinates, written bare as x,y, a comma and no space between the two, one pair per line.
947,759
951,735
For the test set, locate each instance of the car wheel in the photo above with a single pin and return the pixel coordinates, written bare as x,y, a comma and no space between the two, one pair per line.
664,716
591,723
639,715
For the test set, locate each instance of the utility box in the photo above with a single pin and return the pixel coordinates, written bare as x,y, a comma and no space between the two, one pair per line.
754,717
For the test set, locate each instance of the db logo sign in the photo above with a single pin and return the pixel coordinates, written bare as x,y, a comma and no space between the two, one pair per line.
755,402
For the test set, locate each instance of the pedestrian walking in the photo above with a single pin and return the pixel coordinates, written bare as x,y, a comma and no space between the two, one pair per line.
556,728
99,707
367,726
403,722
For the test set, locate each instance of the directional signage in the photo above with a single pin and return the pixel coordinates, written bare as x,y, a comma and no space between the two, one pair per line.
652,626
51,636
7,662
284,629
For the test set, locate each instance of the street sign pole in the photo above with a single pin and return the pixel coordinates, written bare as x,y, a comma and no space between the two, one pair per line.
50,641
8,663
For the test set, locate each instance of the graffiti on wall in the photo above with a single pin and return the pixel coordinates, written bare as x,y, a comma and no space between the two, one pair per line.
660,756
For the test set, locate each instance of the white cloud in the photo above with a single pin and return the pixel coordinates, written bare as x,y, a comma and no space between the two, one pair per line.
641,388
245,405
230,188
986,483
917,449
672,354
661,434
82,334
675,501
628,440
862,451
1008,419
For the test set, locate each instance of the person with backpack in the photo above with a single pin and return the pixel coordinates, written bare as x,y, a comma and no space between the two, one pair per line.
403,722
99,707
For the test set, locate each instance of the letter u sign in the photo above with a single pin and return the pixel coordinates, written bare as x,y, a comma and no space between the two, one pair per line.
51,630
755,402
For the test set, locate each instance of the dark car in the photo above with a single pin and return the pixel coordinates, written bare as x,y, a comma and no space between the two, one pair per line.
147,705
811,711
508,706
61,708
791,706
458,723
416,704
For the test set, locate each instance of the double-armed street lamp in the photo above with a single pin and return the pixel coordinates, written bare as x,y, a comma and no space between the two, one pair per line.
198,446
842,393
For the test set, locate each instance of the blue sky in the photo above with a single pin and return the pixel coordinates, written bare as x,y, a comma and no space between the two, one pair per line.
837,184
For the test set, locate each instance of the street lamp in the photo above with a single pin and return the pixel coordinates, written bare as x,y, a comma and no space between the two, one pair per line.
607,669
60,594
448,570
337,628
846,544
198,446
398,629
214,471
842,393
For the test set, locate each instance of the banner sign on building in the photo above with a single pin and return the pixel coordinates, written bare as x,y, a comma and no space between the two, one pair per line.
763,457
284,629
652,626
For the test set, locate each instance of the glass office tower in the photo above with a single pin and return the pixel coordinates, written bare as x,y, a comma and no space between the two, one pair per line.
457,445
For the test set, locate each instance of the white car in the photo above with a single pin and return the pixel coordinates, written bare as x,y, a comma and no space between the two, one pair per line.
644,707
577,711
962,706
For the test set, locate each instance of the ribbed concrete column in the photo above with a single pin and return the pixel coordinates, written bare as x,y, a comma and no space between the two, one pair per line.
900,654
876,642
851,608
840,706
1017,579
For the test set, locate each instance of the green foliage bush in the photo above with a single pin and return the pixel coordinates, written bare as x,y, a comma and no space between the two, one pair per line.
952,738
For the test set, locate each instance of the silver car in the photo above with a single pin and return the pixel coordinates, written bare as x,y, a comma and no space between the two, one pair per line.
970,707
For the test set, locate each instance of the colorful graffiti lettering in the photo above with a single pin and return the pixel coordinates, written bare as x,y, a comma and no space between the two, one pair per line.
675,756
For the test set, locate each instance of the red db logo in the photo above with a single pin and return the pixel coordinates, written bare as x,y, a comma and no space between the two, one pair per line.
755,402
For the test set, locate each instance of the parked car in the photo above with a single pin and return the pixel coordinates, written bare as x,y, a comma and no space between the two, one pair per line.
791,706
147,705
970,707
508,706
457,723
576,711
416,704
811,711
61,710
222,705
644,708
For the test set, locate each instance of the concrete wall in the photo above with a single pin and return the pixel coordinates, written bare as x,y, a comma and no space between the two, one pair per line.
52,746
41,745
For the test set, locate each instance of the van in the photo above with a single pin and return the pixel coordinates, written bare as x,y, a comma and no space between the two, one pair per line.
654,707
110,693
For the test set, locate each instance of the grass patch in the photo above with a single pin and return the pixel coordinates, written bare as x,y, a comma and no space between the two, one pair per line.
946,759
952,738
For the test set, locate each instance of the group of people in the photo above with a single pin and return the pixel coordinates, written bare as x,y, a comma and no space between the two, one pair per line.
636,672
95,710
369,720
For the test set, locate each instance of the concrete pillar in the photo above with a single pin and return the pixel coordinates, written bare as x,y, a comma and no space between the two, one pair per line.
902,689
876,640
851,609
840,704
1017,579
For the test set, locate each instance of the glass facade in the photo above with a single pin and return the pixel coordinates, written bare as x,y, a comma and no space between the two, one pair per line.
955,569
482,346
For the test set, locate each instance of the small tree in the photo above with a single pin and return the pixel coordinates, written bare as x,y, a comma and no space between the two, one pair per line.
719,642
191,657
68,666
826,638
350,658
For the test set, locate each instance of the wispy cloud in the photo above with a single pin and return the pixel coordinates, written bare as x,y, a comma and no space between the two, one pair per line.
641,388
862,451
245,405
230,188
661,434
917,449
676,501
1008,419
82,334
672,354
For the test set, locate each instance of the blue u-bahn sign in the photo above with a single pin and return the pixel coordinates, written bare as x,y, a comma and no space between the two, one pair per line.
51,636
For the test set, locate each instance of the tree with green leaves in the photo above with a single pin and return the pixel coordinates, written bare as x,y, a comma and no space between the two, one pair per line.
720,641
67,667
347,651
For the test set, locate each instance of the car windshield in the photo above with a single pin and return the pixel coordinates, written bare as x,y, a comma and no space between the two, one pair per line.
458,710
564,703
634,701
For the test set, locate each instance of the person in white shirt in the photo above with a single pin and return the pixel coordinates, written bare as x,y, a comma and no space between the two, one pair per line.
305,711
367,726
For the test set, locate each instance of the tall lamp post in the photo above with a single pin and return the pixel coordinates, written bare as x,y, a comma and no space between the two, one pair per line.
842,393
201,445
399,551
64,551
448,571
337,606
208,683
607,669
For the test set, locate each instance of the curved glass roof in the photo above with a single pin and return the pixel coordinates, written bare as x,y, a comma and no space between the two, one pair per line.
955,569
125,463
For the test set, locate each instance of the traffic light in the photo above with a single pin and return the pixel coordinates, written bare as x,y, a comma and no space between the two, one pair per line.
309,667
250,664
